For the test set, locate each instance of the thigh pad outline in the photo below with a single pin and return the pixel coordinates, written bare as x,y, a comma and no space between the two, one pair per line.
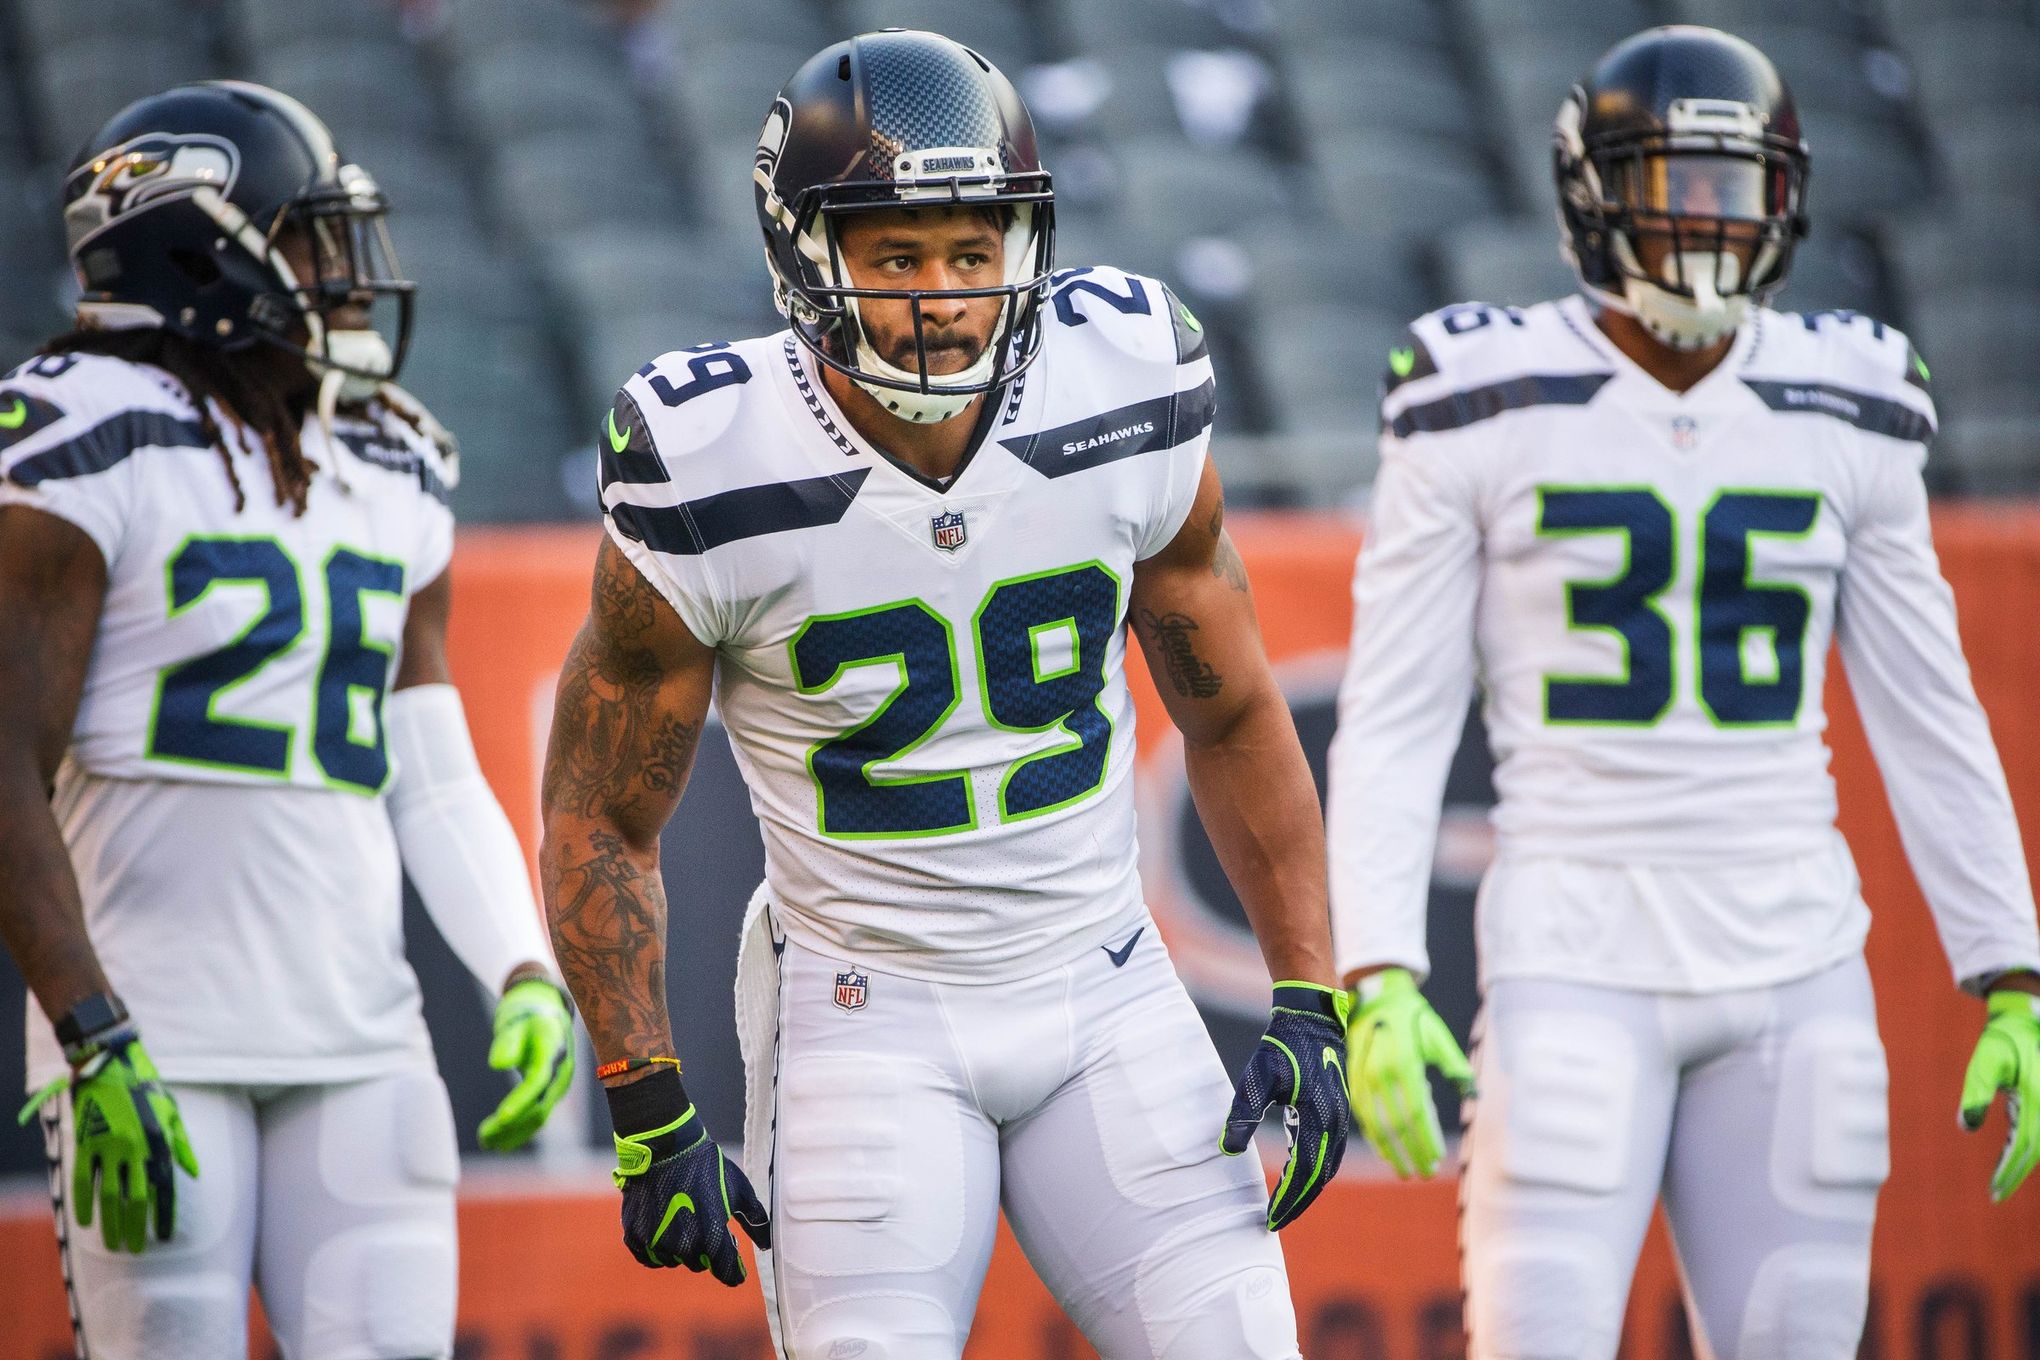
869,1168
1571,1098
1830,1143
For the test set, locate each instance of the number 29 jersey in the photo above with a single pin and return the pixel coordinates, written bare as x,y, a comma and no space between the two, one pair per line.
220,793
1645,585
924,686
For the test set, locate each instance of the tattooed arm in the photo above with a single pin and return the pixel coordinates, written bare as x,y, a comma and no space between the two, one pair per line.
1194,615
632,698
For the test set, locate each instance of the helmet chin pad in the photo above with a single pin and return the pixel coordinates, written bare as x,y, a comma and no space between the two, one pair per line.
361,359
937,404
1699,301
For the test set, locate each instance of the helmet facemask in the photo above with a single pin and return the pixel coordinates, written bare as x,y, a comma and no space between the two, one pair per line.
826,307
353,268
1717,203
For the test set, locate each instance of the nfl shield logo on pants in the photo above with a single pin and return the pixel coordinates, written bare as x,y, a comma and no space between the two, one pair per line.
949,533
850,990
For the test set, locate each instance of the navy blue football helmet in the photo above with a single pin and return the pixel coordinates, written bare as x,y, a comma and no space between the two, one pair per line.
173,212
1687,135
901,119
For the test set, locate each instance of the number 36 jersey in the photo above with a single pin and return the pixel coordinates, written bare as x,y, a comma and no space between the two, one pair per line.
220,793
1645,586
924,686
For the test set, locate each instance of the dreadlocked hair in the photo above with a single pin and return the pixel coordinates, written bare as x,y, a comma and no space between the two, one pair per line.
260,415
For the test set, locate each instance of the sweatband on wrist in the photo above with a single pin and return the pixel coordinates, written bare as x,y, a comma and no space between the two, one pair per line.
84,1029
648,1103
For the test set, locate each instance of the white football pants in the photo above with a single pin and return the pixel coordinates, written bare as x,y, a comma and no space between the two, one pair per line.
892,1127
1760,1117
335,1202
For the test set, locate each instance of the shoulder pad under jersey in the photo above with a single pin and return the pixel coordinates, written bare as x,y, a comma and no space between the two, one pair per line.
1468,363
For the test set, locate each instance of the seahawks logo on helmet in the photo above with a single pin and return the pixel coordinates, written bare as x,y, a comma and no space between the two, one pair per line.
150,169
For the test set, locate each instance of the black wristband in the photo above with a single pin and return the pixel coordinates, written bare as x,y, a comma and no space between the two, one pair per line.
648,1103
80,1029
1311,1000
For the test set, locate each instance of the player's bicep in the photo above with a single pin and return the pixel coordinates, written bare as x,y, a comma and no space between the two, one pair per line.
1193,612
632,698
52,586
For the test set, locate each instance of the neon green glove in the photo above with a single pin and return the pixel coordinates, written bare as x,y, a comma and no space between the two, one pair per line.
2007,1058
534,1037
1393,1035
129,1133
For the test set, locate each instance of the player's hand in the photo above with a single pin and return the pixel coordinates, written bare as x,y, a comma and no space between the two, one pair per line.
129,1133
2007,1059
1296,1065
677,1206
1394,1035
535,1038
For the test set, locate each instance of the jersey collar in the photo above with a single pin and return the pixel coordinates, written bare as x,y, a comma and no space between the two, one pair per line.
998,410
1635,385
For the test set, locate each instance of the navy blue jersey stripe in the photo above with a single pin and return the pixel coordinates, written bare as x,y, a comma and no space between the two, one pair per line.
1144,427
397,458
1457,410
107,443
1879,415
696,526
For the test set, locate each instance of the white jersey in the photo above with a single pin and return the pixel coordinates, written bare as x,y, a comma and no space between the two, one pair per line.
1645,585
221,793
925,687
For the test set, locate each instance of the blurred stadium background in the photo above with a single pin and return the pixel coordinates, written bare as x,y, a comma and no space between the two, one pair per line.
570,181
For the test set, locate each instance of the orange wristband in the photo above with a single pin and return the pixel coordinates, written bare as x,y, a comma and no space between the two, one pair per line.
623,1065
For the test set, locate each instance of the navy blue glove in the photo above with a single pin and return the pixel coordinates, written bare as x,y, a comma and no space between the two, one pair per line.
1300,1064
679,1191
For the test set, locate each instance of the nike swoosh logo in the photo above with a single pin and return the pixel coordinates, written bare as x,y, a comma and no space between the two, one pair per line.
1120,955
16,418
1401,360
617,442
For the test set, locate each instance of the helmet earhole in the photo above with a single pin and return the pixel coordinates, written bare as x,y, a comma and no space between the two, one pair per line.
196,267
843,68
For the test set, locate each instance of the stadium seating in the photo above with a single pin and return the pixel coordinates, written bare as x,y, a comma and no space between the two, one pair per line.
1307,173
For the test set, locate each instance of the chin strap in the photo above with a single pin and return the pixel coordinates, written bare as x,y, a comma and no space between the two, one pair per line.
938,403
1680,322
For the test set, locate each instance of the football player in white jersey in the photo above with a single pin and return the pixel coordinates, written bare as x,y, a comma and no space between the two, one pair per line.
224,536
1636,519
902,538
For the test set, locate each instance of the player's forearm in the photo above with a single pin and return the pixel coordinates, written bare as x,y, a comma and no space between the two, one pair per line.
606,907
457,845
42,919
1255,796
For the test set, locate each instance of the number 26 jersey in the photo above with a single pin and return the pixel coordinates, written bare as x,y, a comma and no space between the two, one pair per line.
924,686
220,794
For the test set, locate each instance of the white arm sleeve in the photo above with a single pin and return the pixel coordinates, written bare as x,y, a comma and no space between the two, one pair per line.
1896,625
457,845
1402,705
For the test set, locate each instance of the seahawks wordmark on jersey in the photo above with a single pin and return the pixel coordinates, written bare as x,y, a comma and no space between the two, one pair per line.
924,686
220,793
1645,584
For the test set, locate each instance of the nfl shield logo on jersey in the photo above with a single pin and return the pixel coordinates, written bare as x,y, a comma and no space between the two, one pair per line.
850,990
949,532
1685,432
